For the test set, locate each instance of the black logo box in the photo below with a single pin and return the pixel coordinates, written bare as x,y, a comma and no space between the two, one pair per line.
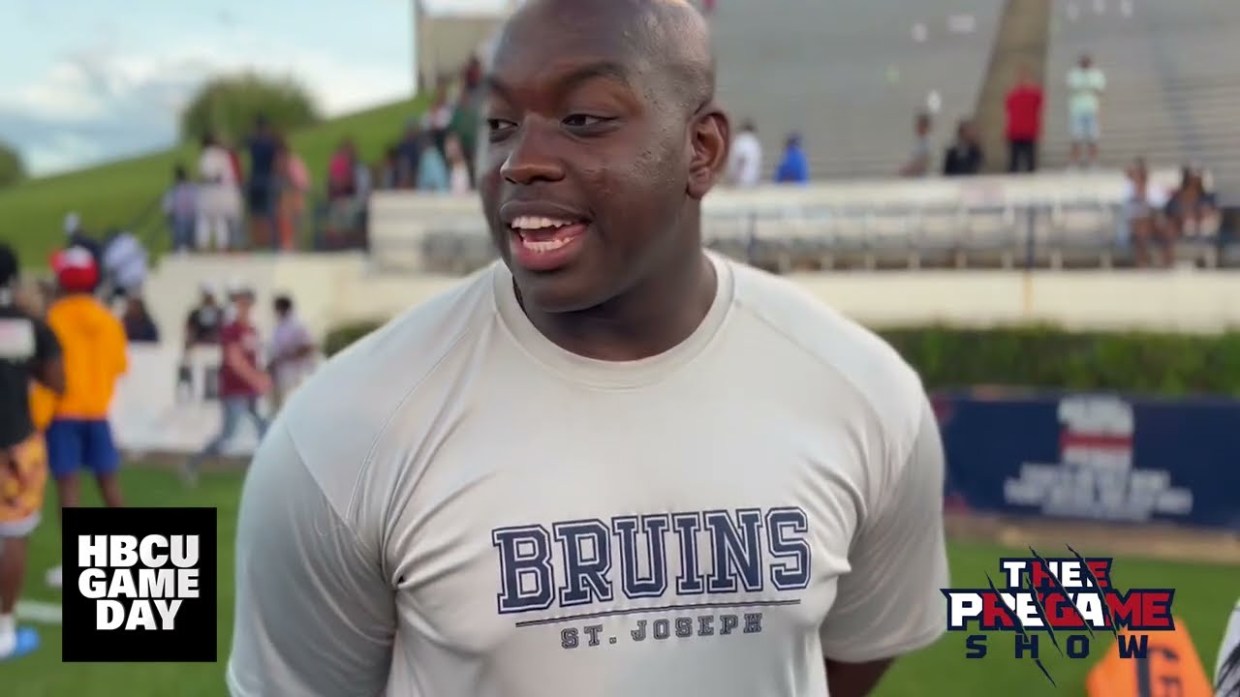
193,640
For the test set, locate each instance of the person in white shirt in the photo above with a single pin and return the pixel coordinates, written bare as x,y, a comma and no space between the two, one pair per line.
219,197
125,261
611,463
292,352
1086,83
745,158
1143,209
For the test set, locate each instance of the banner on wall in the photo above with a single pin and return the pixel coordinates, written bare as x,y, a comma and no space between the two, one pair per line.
167,403
1094,457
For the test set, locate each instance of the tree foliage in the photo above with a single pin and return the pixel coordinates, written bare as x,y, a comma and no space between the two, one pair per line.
228,105
12,169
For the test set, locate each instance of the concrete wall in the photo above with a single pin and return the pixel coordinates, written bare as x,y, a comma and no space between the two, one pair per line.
333,289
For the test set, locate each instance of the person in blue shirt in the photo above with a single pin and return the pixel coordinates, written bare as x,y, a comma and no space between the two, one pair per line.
794,166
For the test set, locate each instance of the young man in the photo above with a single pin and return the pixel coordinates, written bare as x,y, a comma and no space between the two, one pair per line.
745,159
919,164
28,351
241,382
612,464
1086,83
1024,122
95,355
292,352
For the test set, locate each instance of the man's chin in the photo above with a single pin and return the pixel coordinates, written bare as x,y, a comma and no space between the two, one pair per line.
558,292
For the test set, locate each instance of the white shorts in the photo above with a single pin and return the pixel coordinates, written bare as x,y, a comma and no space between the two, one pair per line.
1084,127
19,528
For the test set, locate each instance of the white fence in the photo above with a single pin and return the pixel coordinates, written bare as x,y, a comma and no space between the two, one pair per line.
861,220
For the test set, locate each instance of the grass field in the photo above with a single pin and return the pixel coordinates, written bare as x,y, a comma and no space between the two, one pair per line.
1204,596
116,194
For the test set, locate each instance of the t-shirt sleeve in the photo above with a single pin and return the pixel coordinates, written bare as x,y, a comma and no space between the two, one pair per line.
1227,677
890,602
46,345
314,616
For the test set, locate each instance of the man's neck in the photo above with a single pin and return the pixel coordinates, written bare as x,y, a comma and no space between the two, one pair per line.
646,321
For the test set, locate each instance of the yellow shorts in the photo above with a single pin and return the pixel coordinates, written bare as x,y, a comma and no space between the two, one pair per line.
21,499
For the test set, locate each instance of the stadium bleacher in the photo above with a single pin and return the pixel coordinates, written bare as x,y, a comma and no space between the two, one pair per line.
1173,91
1055,220
850,75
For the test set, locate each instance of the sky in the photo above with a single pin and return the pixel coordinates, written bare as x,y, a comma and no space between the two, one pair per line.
86,81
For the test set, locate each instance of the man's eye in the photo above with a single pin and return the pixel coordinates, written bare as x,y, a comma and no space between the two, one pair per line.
499,124
584,120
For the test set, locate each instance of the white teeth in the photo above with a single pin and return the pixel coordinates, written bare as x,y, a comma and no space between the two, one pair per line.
543,246
533,222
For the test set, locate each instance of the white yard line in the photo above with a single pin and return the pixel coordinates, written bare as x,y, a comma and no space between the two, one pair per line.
39,611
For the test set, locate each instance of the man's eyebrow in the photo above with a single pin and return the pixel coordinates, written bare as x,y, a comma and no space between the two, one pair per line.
572,79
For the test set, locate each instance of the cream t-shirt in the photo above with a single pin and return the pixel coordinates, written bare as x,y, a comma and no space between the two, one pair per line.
457,507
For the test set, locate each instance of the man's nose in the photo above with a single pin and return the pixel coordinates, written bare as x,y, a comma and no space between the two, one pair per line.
533,156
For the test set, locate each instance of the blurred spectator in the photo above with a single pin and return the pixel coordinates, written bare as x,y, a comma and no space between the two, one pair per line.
466,118
342,172
241,380
202,326
181,208
1086,83
219,196
389,177
1024,122
794,167
433,171
745,160
292,352
964,157
292,181
262,186
139,327
409,152
125,264
1143,203
438,116
77,236
458,167
919,164
1192,210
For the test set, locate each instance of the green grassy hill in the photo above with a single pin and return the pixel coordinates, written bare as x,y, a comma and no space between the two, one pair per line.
118,193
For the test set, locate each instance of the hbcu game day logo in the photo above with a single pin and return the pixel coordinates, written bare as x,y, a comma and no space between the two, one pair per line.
139,584
1062,602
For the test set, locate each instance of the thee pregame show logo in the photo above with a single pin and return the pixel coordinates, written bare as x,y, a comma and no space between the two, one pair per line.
140,584
1068,599
695,576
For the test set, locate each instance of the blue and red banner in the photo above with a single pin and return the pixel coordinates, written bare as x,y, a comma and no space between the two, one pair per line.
1095,457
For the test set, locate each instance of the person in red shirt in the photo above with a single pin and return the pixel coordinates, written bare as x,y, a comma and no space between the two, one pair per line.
241,380
1024,122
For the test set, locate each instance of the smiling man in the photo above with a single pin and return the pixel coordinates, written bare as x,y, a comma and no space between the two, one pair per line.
612,464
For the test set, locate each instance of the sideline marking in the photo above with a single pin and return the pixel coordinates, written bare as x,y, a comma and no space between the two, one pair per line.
39,611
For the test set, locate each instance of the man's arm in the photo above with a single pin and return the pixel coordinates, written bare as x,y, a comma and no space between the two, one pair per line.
49,364
314,615
890,603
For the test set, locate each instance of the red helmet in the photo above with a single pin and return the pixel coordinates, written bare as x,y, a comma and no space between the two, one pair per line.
75,269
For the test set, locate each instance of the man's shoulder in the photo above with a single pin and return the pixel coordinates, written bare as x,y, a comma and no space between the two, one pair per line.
830,340
358,390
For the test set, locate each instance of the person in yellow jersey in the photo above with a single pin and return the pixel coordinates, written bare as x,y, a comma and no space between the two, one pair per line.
29,351
95,357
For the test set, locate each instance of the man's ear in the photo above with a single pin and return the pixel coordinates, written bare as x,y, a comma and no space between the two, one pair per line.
710,139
